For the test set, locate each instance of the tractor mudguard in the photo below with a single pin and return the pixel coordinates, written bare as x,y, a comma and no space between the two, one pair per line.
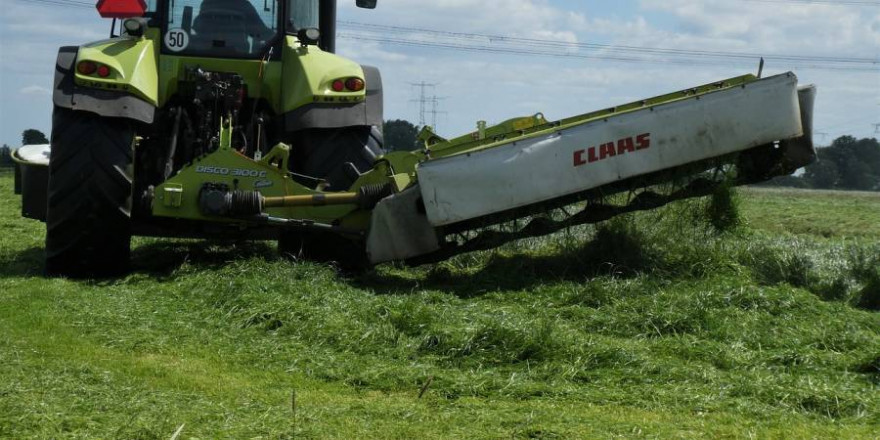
368,112
109,103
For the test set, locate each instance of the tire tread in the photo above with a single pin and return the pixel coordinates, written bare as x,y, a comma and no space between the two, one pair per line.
88,231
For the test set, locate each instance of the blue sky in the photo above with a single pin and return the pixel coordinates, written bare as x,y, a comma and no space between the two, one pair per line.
494,87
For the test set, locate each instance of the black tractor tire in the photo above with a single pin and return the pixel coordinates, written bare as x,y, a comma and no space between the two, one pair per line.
88,226
333,154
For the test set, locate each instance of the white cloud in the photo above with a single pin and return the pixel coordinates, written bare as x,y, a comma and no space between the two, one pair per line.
35,90
494,87
522,18
817,29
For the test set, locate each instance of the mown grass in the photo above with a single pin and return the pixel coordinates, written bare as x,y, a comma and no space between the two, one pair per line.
832,214
651,326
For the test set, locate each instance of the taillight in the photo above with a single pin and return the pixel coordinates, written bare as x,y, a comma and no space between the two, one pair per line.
86,67
93,68
354,84
103,71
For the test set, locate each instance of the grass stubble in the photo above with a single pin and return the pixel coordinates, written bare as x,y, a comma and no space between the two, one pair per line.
702,319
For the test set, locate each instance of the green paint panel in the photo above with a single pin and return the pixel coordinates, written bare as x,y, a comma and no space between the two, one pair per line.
132,63
178,197
303,76
227,166
309,73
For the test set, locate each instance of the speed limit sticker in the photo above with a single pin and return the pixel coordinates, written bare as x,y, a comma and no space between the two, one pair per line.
176,39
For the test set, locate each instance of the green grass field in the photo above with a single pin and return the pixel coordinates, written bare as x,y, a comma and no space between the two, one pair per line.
653,326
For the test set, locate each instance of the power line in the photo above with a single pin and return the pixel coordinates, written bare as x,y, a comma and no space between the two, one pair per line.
821,2
519,43
82,4
79,3
487,43
66,3
687,61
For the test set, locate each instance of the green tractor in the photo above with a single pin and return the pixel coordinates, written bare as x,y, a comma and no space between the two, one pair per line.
246,93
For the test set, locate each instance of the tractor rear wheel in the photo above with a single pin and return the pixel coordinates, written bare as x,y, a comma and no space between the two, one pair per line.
326,153
88,226
336,156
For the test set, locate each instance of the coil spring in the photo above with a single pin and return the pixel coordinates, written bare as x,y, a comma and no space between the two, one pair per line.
245,203
370,195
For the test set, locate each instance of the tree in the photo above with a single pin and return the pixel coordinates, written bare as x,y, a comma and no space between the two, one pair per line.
6,156
32,136
858,175
823,174
868,151
400,135
858,162
849,163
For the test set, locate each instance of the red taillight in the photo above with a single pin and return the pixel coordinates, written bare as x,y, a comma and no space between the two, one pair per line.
338,85
103,71
354,84
86,67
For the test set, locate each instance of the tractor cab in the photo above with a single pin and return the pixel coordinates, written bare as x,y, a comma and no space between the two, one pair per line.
230,28
233,28
224,28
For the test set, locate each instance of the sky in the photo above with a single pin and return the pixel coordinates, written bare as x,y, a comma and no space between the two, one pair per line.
496,59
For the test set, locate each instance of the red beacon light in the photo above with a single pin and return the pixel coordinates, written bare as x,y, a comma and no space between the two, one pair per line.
121,8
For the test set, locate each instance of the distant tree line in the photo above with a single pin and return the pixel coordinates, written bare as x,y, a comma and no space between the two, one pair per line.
849,164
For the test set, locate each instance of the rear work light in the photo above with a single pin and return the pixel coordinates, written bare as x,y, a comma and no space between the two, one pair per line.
86,67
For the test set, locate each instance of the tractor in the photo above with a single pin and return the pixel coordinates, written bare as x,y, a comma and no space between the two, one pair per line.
131,111
235,119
